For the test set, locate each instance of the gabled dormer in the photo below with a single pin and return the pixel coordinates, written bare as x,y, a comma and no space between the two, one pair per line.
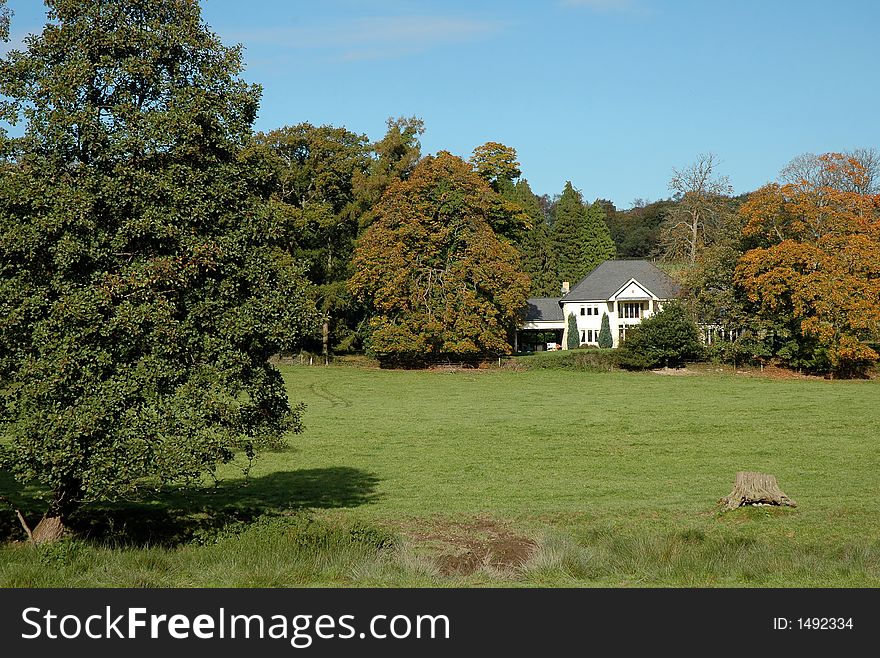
634,290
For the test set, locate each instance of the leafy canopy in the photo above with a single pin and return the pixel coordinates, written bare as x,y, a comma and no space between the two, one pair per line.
316,171
496,163
438,280
817,263
143,281
533,241
668,338
395,156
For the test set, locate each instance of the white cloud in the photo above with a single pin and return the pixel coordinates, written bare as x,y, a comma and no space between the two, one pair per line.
373,37
602,5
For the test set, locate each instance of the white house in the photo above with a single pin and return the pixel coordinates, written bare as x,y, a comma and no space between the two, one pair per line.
627,290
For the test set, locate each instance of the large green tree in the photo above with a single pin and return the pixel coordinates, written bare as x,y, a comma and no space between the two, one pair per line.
598,245
534,244
567,235
636,231
439,281
580,238
539,261
394,157
496,163
315,170
144,282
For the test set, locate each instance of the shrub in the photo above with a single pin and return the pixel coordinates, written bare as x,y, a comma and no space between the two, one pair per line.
746,349
633,359
668,338
584,360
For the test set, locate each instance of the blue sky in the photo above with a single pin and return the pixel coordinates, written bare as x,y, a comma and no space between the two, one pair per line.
610,94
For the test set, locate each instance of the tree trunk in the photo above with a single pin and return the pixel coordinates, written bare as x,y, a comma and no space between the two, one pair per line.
49,529
53,525
755,489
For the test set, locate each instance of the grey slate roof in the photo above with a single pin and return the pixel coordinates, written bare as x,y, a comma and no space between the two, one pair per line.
544,309
611,275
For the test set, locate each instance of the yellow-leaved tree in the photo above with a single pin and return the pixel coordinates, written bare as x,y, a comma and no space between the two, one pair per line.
816,269
438,280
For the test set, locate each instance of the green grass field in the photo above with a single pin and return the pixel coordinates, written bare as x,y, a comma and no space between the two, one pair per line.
515,478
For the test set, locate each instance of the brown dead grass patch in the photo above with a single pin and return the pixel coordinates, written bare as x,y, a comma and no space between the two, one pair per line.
461,547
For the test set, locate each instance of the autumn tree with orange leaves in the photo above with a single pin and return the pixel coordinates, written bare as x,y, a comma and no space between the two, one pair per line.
816,268
439,281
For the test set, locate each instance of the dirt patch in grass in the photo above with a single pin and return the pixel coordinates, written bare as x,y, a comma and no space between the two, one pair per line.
452,367
775,372
769,371
462,547
674,371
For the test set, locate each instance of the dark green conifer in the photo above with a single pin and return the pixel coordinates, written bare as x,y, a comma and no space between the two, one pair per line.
572,338
580,237
605,339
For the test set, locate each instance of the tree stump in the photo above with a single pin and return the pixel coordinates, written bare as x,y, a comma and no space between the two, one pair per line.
755,489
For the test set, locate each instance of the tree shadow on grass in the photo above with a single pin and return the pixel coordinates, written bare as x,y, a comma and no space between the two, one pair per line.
183,515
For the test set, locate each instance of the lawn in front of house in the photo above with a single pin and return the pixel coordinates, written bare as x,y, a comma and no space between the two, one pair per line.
539,477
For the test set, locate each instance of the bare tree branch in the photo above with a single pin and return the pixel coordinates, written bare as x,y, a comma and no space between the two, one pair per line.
700,209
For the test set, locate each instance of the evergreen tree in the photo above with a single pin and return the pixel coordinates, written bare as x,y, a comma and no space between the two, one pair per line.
598,245
567,236
539,262
536,250
580,237
572,338
605,339
521,194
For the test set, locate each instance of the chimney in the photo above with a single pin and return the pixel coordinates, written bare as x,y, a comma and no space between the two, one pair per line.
565,287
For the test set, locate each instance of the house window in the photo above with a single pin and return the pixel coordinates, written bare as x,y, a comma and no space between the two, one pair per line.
589,335
583,336
583,311
632,310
